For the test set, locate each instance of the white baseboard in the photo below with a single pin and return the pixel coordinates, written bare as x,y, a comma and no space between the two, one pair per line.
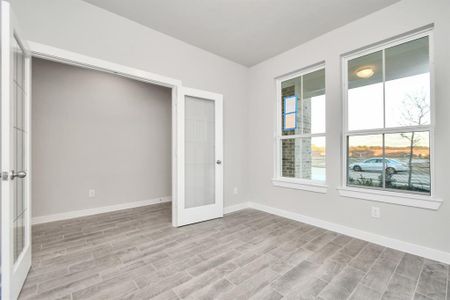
359,234
236,207
97,210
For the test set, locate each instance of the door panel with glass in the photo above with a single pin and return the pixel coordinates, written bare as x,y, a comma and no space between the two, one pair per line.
199,157
15,156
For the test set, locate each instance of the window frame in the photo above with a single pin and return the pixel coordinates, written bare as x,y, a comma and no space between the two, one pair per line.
408,198
289,182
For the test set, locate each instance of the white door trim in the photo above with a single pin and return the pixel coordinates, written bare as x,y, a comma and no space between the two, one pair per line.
76,59
73,58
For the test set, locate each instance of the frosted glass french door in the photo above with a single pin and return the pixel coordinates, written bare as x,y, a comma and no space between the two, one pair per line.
15,156
200,166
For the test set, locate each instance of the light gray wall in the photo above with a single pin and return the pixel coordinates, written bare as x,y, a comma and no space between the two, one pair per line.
77,26
423,227
96,130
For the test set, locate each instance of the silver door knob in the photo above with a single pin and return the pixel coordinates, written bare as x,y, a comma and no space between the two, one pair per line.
219,162
20,174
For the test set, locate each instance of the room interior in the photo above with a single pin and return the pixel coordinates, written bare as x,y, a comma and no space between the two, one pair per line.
223,150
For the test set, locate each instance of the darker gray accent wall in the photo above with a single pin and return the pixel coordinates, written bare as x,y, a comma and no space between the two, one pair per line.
94,130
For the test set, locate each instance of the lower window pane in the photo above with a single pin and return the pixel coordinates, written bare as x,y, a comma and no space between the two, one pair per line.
408,161
303,158
365,160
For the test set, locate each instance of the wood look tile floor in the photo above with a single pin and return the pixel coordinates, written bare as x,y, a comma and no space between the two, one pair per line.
137,254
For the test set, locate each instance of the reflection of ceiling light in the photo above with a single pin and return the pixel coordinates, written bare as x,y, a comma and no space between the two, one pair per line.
365,72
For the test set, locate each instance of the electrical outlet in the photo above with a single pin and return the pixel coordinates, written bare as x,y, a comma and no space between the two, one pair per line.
91,193
376,212
235,191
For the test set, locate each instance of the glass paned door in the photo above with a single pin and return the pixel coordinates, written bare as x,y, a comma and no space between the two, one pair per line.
15,156
19,133
199,148
199,157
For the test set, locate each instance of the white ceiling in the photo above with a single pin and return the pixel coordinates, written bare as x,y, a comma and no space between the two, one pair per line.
245,31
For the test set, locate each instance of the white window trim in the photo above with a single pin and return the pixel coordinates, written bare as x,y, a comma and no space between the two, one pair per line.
405,199
288,182
301,184
382,195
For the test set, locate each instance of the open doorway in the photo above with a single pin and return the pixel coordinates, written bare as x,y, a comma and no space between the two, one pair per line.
100,142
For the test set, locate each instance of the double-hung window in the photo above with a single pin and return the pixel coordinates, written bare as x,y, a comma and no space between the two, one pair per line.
300,135
388,129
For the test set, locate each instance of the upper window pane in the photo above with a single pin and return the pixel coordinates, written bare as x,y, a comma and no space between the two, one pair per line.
407,86
303,104
365,92
314,102
291,91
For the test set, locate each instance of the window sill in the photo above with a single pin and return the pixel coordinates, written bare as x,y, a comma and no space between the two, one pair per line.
307,185
391,197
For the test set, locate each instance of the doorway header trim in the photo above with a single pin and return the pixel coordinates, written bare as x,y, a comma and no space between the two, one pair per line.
72,58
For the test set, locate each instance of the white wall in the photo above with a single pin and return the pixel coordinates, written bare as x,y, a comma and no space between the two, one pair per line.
77,26
419,226
95,130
